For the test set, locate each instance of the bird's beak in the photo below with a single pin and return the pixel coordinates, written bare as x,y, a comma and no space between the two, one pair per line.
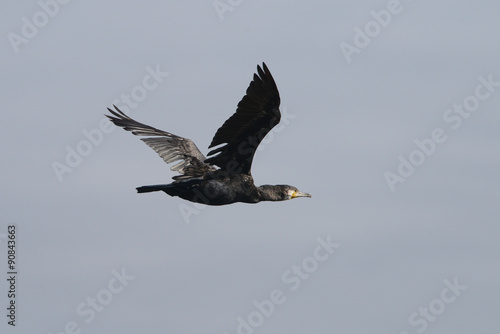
300,194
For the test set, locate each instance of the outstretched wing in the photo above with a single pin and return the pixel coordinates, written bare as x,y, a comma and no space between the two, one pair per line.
169,146
257,113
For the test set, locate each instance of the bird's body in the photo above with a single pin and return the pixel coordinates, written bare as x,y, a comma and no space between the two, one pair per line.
201,181
215,188
220,188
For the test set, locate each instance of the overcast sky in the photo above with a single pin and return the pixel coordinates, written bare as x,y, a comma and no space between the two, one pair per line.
390,120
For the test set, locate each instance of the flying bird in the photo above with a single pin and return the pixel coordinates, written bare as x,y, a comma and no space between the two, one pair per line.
224,177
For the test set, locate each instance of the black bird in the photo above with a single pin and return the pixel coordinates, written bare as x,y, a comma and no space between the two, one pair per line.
201,181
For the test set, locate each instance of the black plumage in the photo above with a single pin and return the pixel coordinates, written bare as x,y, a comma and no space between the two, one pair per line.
200,180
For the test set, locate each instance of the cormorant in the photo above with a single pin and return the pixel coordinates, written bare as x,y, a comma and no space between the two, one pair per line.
201,181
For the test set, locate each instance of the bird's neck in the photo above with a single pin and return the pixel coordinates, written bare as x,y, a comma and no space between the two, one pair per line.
268,193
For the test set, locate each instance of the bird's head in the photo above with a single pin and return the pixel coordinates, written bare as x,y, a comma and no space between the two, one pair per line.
292,192
280,192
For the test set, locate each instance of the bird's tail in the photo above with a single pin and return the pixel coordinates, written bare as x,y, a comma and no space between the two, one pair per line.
148,189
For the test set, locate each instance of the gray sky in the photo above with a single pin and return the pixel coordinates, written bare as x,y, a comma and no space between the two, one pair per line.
391,124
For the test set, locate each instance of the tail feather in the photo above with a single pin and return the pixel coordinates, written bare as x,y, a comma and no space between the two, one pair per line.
148,189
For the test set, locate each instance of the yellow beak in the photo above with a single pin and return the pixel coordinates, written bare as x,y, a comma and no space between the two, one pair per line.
300,194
